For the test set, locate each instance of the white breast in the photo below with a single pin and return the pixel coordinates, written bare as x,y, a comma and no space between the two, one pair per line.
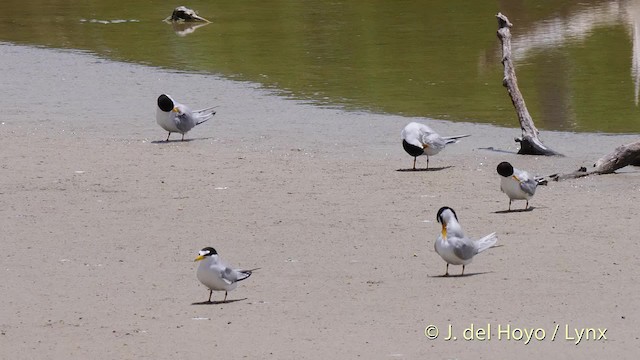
167,120
511,187
445,250
210,275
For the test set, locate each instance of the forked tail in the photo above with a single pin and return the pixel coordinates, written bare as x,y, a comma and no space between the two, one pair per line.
246,273
541,180
204,114
486,242
454,139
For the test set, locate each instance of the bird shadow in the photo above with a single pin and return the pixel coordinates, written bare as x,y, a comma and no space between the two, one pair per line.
491,148
424,169
530,208
217,302
160,142
459,275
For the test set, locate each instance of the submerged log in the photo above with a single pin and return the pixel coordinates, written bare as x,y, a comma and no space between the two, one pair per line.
530,143
622,156
184,14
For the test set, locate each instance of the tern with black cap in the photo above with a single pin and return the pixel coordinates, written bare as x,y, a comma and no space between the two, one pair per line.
419,139
517,184
216,275
453,246
175,117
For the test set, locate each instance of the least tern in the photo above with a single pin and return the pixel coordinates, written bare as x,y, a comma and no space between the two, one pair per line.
517,184
419,139
216,275
453,246
175,117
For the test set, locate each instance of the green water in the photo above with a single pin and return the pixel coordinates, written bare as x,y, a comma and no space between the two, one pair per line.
437,59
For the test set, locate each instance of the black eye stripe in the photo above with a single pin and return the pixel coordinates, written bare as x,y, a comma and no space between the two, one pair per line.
208,251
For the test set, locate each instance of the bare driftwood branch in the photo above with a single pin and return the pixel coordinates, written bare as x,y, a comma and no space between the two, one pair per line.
530,143
184,14
622,156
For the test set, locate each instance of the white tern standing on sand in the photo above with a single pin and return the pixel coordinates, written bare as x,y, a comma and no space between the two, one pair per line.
216,275
517,184
419,139
175,117
453,246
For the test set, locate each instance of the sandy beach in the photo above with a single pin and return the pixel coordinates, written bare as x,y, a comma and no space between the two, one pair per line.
101,220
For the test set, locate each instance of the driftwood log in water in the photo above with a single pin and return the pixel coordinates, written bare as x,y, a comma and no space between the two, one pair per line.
530,143
184,14
622,156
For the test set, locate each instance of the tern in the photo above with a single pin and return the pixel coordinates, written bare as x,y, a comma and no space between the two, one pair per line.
175,117
517,184
419,139
216,275
453,246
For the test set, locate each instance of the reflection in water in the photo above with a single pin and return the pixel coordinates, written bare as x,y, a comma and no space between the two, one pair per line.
106,22
633,11
549,34
555,95
559,31
186,28
543,39
405,57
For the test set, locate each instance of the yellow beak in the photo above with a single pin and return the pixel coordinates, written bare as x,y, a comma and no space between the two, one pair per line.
444,231
175,109
199,258
515,177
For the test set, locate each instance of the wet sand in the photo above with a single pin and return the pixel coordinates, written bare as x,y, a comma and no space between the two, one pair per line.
101,221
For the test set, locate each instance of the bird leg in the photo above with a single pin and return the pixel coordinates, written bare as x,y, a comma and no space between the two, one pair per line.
447,272
210,292
414,162
168,136
225,297
462,271
427,161
182,137
527,205
509,204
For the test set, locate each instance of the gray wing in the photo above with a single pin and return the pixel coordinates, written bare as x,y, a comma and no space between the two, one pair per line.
529,186
527,183
434,141
465,251
230,275
185,121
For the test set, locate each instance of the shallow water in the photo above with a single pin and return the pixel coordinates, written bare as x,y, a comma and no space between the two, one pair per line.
578,65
